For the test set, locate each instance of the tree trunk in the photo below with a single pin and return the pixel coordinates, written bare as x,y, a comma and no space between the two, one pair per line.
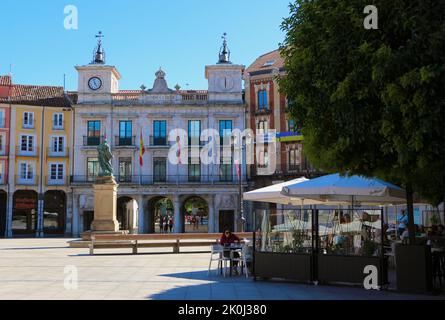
410,207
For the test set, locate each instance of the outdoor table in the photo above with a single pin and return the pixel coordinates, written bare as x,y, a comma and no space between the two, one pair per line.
233,248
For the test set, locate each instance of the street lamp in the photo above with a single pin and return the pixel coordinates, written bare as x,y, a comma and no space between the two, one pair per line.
241,219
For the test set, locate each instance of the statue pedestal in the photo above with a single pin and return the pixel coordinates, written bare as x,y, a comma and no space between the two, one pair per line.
105,206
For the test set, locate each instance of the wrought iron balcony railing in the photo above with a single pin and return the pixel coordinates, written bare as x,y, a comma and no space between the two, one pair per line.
159,141
163,179
27,152
125,141
59,126
26,180
56,180
92,141
58,152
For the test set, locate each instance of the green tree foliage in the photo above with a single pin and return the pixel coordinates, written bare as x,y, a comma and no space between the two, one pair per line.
370,102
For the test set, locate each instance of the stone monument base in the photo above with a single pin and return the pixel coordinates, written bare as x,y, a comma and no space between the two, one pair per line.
86,236
105,205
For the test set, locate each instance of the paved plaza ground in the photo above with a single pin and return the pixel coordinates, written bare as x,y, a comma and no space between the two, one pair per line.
34,269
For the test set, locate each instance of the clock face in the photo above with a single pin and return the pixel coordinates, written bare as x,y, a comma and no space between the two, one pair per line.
95,83
226,84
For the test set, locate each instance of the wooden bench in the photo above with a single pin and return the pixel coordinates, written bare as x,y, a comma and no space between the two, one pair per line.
175,241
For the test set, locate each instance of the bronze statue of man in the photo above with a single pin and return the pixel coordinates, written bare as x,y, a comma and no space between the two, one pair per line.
105,159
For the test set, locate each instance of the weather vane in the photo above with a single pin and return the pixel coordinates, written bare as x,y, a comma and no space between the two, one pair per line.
100,36
224,54
99,54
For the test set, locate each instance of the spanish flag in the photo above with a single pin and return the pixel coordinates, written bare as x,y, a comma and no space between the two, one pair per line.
141,151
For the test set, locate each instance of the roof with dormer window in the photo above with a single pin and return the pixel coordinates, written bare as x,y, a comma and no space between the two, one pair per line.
266,63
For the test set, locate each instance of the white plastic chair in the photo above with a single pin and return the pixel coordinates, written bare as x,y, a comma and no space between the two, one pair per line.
246,255
217,254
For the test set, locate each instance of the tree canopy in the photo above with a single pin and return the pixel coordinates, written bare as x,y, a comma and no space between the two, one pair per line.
370,102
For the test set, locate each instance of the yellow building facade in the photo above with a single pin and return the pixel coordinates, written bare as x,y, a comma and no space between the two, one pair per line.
39,163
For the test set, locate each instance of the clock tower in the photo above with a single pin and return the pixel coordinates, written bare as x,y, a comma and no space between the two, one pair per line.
225,78
97,81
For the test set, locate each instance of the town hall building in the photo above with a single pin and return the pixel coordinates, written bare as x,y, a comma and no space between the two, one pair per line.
153,192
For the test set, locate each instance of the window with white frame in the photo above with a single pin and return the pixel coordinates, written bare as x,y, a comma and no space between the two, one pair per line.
27,143
262,100
57,144
263,126
294,158
28,120
58,121
56,171
26,171
263,161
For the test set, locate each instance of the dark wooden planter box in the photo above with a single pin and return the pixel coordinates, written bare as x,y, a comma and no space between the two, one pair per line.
289,266
349,269
414,269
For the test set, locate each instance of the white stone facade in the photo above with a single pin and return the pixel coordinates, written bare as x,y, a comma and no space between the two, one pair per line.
142,108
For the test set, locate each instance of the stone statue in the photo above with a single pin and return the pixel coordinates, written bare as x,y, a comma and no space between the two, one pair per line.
105,158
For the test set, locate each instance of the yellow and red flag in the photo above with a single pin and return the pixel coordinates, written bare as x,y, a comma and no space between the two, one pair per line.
141,151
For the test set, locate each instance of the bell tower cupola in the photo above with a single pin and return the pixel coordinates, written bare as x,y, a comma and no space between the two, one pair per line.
97,80
225,78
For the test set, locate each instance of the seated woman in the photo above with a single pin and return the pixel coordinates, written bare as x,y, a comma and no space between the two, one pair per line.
227,239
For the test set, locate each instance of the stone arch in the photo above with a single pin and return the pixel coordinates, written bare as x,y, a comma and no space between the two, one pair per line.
54,212
3,206
24,212
159,207
195,214
127,213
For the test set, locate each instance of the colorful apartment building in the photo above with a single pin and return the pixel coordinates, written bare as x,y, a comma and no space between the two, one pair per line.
5,92
267,116
36,160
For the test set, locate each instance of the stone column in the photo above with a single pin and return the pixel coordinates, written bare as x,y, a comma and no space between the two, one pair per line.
75,230
40,205
141,214
9,215
216,215
211,204
69,214
105,206
177,219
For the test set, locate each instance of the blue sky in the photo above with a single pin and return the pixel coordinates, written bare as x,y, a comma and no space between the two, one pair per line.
140,36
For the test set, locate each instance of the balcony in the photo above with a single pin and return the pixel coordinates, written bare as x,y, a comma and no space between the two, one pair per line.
196,143
290,170
93,141
31,152
80,180
58,126
27,180
61,153
263,111
51,181
28,125
159,142
124,142
153,180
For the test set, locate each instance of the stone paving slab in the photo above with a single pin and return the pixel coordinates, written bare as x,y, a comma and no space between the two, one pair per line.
35,269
